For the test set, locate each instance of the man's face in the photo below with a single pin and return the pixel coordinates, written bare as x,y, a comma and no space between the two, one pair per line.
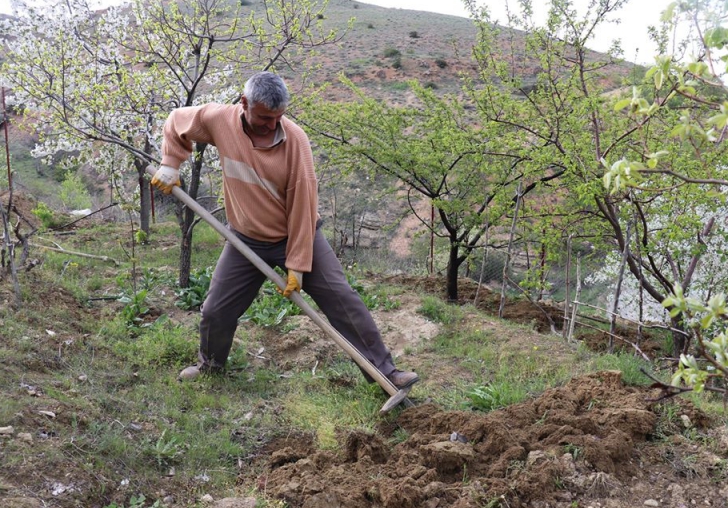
261,120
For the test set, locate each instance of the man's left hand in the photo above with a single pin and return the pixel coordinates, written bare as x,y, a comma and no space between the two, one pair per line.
294,283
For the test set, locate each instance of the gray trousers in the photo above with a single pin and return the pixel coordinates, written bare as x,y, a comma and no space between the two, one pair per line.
236,282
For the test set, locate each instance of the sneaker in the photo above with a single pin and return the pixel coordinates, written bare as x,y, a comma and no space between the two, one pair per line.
193,371
402,379
189,373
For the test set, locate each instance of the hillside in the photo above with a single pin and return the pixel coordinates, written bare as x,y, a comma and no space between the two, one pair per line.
507,414
432,48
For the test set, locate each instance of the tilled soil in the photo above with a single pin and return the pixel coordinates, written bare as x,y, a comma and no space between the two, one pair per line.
588,443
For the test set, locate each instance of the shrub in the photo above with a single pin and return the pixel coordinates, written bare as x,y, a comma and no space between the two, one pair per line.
46,216
441,63
414,35
73,193
392,53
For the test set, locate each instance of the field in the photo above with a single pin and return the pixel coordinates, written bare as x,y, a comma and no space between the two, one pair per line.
507,412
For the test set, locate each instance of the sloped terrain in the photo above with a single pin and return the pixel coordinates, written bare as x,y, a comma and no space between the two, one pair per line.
592,442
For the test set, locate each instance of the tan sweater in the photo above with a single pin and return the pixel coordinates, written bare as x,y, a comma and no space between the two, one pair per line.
270,193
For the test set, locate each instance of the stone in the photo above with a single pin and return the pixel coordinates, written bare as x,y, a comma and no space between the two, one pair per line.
235,502
446,456
21,502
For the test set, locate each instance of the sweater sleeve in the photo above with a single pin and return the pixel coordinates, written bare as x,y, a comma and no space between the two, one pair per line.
183,127
302,207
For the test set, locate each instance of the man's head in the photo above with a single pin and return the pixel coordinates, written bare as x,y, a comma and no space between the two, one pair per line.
267,89
265,98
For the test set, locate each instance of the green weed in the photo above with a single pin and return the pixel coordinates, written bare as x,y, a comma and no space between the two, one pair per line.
496,395
437,310
162,345
573,450
628,363
191,297
135,308
324,407
372,298
166,450
269,308
139,501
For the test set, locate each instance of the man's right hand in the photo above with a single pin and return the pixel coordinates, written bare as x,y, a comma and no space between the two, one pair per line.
166,178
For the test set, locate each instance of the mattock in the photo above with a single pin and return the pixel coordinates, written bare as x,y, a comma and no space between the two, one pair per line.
397,396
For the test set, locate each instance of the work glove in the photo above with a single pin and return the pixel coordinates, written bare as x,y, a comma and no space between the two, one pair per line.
294,283
166,178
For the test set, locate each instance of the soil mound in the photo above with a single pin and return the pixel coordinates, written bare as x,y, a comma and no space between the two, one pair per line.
578,440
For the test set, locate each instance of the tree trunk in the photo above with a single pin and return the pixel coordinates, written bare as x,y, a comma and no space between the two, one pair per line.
7,253
187,217
145,197
453,265
680,341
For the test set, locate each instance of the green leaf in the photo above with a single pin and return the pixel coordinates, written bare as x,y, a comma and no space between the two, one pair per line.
668,13
622,104
716,37
719,120
697,68
678,131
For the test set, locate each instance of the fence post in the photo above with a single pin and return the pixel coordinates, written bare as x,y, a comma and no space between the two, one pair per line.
567,303
507,264
482,264
572,323
618,289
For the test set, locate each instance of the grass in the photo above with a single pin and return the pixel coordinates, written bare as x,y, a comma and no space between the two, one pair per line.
315,404
504,375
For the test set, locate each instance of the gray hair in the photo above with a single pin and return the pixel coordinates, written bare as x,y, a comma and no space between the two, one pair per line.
268,89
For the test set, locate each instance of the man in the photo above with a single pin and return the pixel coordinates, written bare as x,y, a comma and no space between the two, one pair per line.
271,202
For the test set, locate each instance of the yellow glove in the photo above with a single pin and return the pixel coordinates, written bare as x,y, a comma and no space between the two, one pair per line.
294,283
166,178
